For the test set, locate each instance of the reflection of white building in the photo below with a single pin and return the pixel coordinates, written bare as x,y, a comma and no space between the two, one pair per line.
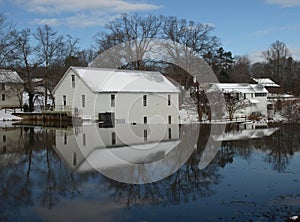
10,145
247,131
92,147
254,94
117,96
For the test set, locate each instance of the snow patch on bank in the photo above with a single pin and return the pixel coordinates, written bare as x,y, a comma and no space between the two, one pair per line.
8,116
188,116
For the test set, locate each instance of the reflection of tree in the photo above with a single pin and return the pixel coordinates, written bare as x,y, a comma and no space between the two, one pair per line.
38,176
16,188
278,159
283,145
187,183
279,147
226,155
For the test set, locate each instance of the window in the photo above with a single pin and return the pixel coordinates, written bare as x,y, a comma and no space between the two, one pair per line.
83,100
145,120
4,138
170,133
3,86
83,139
64,100
145,100
65,139
145,135
245,96
169,119
3,97
74,159
260,94
112,100
73,81
169,100
113,138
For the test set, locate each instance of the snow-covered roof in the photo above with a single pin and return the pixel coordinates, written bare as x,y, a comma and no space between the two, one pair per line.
116,80
266,82
9,76
241,87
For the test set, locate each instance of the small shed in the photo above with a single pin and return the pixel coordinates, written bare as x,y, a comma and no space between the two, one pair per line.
12,87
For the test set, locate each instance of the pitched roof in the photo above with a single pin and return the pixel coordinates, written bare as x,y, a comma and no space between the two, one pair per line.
241,87
116,80
9,76
266,82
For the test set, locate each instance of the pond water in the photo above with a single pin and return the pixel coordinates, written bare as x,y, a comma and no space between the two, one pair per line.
175,173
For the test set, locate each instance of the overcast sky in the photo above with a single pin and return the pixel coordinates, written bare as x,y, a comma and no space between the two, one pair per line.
244,27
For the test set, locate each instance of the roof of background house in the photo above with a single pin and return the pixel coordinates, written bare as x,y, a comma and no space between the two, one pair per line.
9,76
267,82
242,87
116,80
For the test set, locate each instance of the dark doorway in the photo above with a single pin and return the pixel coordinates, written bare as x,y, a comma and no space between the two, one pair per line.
106,120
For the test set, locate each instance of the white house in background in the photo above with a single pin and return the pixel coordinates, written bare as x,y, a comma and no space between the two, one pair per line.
117,96
254,94
11,89
275,90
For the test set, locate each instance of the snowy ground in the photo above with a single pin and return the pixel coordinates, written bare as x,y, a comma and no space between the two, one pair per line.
279,118
188,116
7,116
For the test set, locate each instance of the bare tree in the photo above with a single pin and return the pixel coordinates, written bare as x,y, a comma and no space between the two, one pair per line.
71,46
277,57
188,41
134,33
291,109
234,103
50,50
24,63
6,40
86,56
196,36
72,50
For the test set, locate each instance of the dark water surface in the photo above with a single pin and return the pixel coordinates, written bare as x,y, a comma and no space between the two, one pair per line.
254,175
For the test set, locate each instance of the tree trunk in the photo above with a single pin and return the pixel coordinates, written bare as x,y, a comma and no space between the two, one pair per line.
30,101
200,111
